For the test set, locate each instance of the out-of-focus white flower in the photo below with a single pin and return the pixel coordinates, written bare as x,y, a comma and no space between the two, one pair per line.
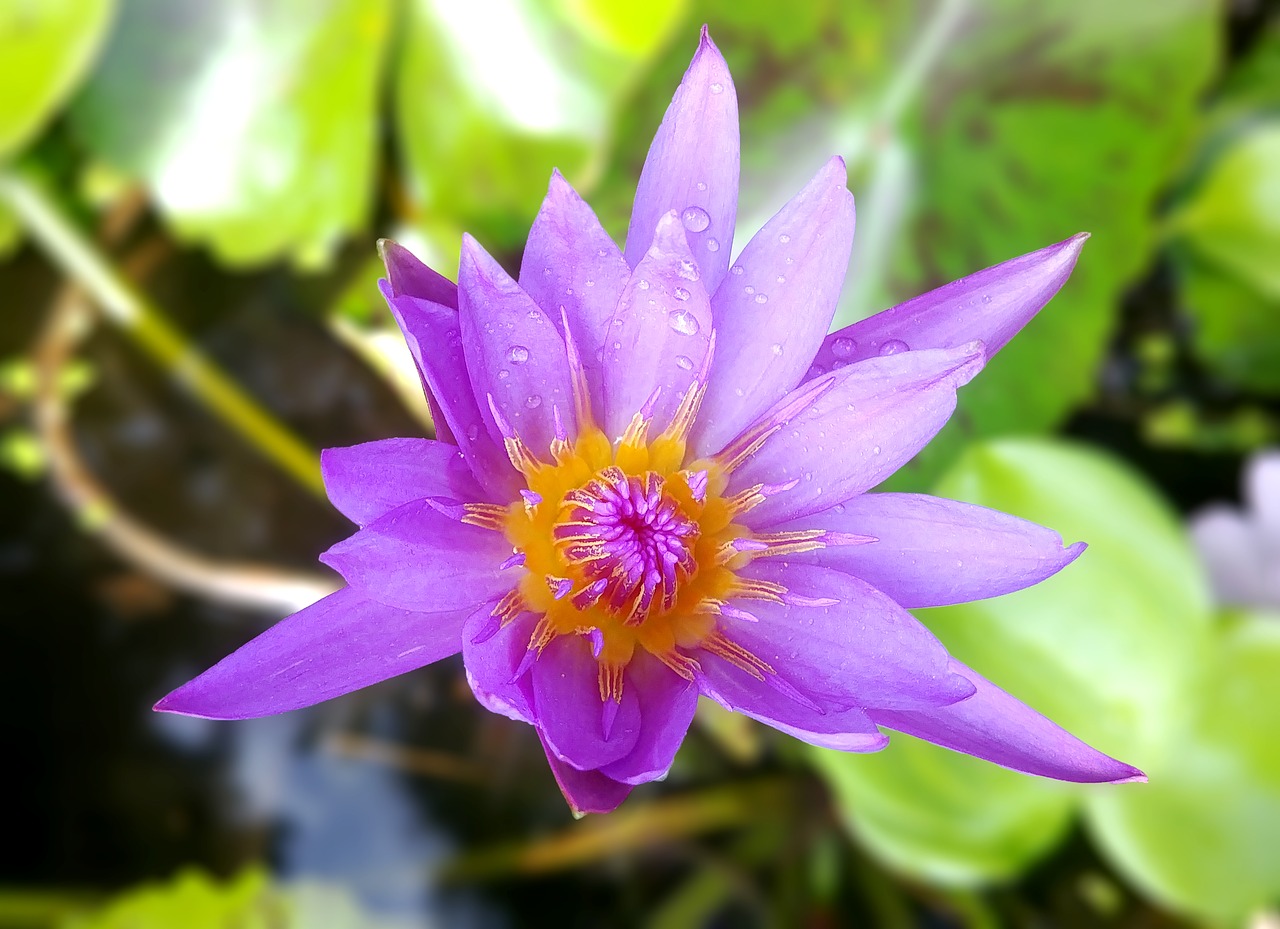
1241,547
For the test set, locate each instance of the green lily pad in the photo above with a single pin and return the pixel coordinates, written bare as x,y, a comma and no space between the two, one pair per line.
484,114
1202,835
1104,648
253,125
1233,217
45,49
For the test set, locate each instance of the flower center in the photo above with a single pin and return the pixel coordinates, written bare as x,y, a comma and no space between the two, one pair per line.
630,541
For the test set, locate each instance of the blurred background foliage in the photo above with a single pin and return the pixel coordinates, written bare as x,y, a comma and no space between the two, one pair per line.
189,193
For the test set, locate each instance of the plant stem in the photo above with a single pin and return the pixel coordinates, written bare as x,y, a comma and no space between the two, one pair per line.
147,325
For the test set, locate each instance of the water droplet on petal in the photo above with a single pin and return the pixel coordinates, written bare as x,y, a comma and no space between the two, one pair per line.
680,293
683,322
517,354
642,284
762,298
748,289
736,269
472,431
590,283
780,279
702,185
777,348
815,371
986,298
843,347
838,364
688,270
713,245
533,402
684,362
717,88
695,218
875,450
784,238
503,374
893,347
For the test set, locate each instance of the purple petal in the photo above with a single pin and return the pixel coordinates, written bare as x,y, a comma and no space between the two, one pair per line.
659,335
872,419
586,791
569,711
775,307
692,167
849,730
443,368
993,725
843,643
416,558
514,353
934,552
494,663
336,645
409,277
1233,551
1262,496
570,263
667,703
989,307
370,480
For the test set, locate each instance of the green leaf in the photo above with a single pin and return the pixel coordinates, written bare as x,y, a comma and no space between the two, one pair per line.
943,817
10,232
1201,836
46,46
254,125
1232,219
1104,649
484,114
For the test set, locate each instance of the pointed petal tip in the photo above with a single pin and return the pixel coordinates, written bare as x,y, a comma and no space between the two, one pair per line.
1137,777
1073,551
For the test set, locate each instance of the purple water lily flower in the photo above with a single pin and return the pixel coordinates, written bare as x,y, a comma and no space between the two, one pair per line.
650,481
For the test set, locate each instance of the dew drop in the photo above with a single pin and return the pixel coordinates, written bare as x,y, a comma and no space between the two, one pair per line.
838,364
875,450
838,508
748,289
784,238
815,371
762,298
789,260
777,348
702,185
684,362
680,293
503,374
473,431
642,284
517,354
695,218
893,347
617,346
713,245
533,401
683,322
600,252
737,270
843,347
688,270
717,88
780,279
590,283
986,298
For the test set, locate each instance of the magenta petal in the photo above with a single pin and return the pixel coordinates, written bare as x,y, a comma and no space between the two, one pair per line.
416,558
570,713
774,309
848,730
990,307
494,663
433,334
994,725
586,791
336,645
514,353
409,277
870,421
370,480
659,335
843,643
570,263
667,704
692,167
933,552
